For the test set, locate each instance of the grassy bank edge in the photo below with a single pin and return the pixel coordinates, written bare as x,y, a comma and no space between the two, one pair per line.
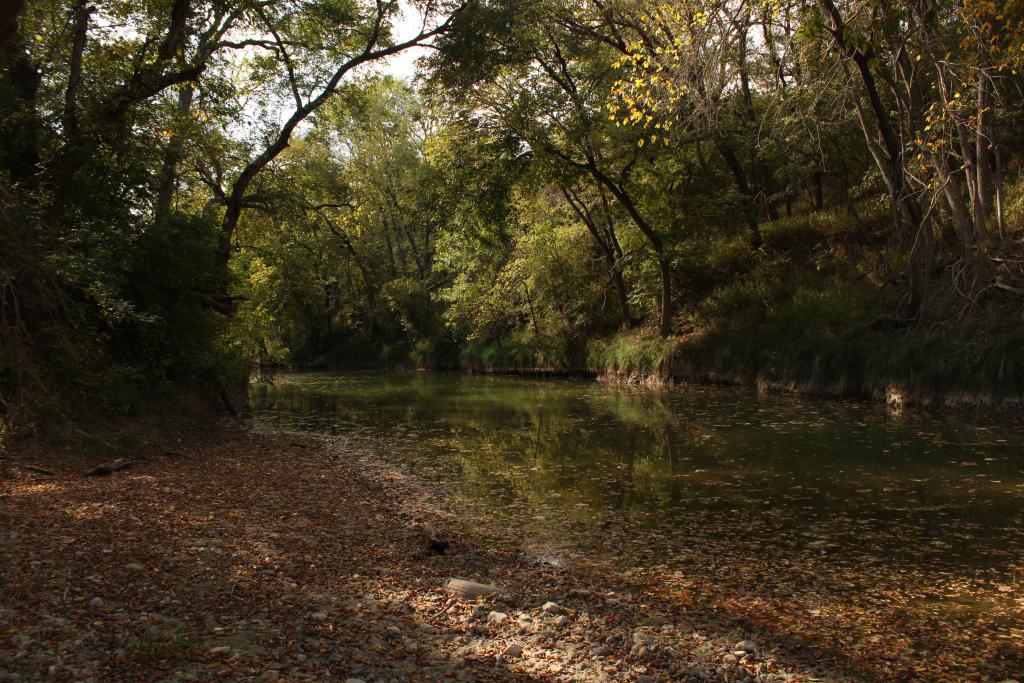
901,368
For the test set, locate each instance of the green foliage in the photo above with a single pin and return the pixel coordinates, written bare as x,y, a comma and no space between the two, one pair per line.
633,354
172,330
520,352
118,149
1015,206
563,166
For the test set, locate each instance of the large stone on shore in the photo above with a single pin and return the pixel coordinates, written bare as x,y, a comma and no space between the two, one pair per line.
512,651
471,589
746,646
551,608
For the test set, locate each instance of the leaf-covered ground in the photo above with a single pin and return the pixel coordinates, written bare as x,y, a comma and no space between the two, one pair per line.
233,554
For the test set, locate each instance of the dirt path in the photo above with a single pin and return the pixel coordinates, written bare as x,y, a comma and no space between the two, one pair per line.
256,556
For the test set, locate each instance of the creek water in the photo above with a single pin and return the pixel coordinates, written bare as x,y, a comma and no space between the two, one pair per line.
835,508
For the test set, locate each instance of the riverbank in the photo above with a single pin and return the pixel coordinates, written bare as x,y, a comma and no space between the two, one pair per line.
232,554
900,368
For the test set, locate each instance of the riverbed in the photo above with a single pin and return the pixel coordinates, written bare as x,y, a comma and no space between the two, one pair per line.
893,543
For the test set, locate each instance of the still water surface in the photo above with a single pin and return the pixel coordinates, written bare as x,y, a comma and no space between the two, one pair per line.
823,505
567,443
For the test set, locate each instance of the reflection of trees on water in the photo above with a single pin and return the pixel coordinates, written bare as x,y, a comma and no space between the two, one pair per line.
565,443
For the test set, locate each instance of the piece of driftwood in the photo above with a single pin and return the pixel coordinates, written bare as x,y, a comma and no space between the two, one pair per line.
38,470
108,468
434,541
471,589
228,405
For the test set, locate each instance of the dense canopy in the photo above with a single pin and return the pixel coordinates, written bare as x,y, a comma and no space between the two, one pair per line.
815,191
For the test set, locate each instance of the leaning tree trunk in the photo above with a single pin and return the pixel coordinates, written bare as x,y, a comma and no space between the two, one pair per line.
983,159
887,151
173,155
653,239
607,246
665,327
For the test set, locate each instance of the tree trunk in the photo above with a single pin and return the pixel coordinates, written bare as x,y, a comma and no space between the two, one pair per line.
888,156
9,16
622,296
608,249
739,176
919,269
665,328
955,198
997,157
652,238
19,150
79,31
983,159
173,155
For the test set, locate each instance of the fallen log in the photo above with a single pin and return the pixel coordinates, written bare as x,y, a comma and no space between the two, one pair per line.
108,468
38,470
471,589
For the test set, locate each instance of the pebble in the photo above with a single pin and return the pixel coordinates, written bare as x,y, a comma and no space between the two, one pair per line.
96,603
134,567
220,650
318,616
561,621
641,638
512,651
496,617
730,660
551,608
354,680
